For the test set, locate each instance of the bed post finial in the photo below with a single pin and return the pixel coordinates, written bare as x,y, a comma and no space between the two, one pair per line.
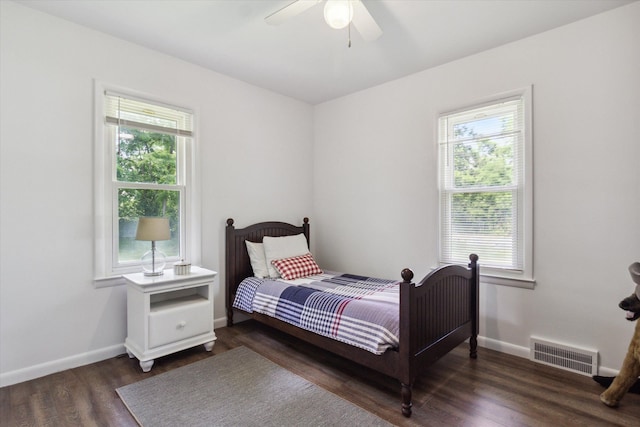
407,275
230,222
305,220
473,258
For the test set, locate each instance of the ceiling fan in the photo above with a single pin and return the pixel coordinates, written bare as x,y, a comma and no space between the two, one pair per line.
337,13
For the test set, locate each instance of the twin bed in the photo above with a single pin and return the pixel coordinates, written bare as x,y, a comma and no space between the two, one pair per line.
435,315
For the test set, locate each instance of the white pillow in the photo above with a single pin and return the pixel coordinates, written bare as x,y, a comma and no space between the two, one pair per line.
258,260
283,247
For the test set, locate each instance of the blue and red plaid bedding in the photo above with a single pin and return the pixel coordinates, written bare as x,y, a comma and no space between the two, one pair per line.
357,310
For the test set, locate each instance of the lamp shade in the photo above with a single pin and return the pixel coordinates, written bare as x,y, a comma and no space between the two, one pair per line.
338,13
153,228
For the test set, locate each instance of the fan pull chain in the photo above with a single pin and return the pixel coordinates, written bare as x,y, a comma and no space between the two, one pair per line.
349,45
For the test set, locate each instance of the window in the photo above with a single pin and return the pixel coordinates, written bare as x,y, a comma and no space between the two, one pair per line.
143,168
485,186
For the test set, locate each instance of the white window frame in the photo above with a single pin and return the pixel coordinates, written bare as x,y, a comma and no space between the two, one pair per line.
106,270
511,277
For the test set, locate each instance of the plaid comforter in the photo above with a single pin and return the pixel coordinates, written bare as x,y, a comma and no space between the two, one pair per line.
361,311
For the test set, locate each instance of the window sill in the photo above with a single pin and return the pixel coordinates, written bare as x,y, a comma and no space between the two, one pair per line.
108,282
523,283
117,279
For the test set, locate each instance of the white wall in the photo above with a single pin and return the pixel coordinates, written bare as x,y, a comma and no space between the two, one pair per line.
376,150
255,160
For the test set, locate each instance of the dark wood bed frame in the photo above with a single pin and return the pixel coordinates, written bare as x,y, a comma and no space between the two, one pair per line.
436,314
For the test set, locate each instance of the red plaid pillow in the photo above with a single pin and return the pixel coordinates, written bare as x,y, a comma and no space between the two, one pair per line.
296,267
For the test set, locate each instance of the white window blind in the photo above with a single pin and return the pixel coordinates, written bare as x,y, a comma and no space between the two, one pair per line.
141,114
482,184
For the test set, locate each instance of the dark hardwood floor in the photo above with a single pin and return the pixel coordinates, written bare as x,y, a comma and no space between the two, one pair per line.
494,390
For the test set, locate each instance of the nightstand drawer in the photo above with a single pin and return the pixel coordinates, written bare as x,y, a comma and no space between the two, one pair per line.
177,323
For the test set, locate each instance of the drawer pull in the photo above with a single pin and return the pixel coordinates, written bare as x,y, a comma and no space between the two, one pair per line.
182,324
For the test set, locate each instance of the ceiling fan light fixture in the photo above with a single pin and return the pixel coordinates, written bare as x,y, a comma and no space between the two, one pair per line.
338,13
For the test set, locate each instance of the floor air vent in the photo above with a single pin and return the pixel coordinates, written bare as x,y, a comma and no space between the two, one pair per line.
561,356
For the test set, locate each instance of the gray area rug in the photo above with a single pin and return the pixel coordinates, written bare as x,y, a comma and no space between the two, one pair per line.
238,388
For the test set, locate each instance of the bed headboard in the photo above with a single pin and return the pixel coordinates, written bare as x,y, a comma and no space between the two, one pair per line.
238,265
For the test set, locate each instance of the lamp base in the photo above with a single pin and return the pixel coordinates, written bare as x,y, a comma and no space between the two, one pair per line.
153,273
153,262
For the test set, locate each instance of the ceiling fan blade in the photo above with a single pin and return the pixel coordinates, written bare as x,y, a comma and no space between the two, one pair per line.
289,11
364,22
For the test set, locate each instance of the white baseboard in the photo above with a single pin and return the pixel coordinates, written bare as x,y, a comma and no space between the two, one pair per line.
47,368
51,367
503,347
607,372
220,322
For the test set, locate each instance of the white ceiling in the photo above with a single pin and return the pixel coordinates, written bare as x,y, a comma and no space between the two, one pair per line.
304,58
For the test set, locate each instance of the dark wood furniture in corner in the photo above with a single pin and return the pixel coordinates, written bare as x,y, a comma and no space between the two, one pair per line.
436,314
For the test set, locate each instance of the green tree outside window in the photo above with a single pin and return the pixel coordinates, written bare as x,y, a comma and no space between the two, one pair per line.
146,157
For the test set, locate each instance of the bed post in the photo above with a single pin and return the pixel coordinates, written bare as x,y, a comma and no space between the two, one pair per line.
305,230
406,360
230,252
475,308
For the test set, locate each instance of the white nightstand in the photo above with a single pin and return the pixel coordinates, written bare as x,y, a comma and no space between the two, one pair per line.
168,313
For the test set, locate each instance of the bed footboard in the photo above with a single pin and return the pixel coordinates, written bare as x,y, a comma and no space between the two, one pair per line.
437,314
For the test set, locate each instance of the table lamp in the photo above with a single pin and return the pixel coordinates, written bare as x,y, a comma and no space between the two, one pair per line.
153,229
